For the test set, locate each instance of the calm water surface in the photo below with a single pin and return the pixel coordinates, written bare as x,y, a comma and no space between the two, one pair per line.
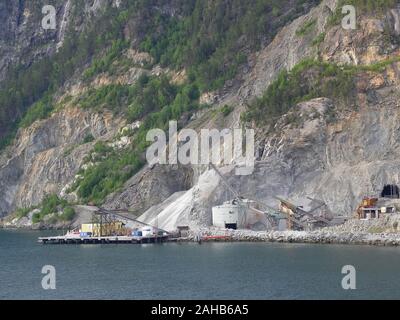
191,271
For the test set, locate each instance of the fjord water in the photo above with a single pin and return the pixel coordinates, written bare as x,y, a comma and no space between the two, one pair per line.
192,271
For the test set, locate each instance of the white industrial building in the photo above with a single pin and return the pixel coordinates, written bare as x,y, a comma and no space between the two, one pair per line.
230,215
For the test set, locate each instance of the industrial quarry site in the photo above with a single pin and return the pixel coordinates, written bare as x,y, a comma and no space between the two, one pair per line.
322,96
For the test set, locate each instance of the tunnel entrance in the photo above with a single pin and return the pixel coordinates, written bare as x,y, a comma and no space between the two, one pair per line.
390,191
232,226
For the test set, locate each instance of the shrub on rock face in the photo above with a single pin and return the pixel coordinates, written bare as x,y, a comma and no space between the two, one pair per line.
22,212
88,138
36,218
226,110
68,214
51,204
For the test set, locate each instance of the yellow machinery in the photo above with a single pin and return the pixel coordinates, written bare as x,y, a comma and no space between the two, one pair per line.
104,229
367,203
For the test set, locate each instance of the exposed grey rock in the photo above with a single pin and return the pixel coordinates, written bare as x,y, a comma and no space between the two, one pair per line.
47,156
22,38
337,162
150,187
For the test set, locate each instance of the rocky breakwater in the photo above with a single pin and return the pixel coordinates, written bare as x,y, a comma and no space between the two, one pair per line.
381,232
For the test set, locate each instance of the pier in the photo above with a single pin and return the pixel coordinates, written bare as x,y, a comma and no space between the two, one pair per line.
104,240
110,227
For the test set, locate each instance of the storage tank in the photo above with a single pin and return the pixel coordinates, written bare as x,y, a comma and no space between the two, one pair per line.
230,215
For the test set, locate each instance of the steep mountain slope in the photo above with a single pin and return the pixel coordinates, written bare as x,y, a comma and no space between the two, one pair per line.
331,149
328,129
35,62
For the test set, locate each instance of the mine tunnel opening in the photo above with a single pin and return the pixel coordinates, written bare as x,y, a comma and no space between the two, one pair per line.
390,191
232,226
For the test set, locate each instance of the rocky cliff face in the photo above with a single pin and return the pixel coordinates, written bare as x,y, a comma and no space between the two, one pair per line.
334,161
48,155
337,162
22,38
355,155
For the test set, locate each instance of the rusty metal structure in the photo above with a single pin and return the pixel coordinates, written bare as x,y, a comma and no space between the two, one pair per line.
301,219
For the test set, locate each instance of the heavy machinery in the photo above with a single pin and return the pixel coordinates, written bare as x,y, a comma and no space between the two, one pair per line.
267,215
307,218
296,217
113,222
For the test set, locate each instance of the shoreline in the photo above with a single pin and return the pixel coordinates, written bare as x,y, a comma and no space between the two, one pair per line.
377,232
323,237
314,237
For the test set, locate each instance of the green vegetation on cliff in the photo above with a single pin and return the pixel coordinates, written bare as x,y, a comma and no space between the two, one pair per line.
209,38
51,204
307,80
36,83
152,100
